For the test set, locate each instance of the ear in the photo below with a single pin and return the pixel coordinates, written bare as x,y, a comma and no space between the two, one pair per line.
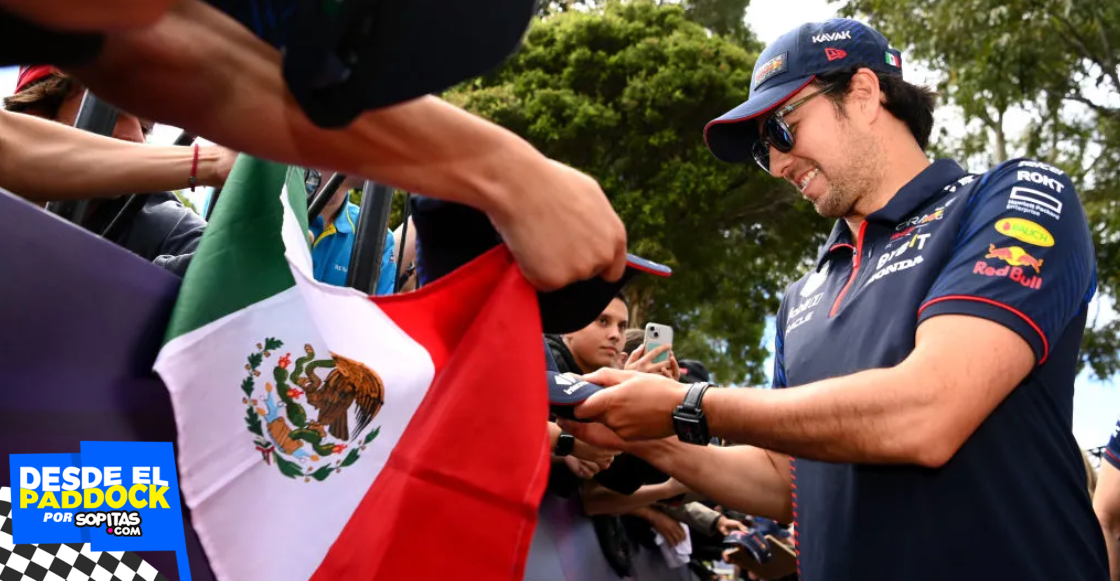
864,96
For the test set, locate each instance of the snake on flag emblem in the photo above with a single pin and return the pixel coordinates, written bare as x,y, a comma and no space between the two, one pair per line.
311,427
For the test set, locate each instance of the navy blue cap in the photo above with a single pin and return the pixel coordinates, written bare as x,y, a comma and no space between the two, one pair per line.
566,391
788,65
450,235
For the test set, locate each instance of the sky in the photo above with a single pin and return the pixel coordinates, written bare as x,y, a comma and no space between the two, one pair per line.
1096,403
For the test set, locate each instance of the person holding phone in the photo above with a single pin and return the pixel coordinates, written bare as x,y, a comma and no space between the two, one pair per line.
658,358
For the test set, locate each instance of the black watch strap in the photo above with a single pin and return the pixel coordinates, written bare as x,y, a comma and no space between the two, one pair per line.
565,444
695,397
688,420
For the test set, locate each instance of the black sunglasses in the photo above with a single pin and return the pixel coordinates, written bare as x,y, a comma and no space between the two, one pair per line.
776,132
312,179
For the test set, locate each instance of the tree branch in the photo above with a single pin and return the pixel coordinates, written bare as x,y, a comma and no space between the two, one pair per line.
1100,109
1075,40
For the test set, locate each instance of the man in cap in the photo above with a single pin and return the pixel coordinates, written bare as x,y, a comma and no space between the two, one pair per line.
192,65
931,350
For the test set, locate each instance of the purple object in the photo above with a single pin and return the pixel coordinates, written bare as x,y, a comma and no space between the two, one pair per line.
81,322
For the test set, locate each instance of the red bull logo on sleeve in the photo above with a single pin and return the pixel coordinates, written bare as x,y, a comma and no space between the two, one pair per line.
1018,261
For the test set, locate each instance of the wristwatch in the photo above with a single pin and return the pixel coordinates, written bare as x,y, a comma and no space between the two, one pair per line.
688,419
564,444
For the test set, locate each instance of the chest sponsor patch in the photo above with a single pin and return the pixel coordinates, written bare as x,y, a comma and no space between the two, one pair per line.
1012,262
933,216
904,264
802,313
814,282
1034,202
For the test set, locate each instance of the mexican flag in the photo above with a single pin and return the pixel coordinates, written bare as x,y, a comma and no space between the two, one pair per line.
324,434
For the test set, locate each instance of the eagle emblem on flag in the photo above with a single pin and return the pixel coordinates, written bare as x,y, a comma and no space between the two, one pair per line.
310,426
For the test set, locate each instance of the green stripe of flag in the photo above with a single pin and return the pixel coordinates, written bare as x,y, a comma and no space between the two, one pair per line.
240,260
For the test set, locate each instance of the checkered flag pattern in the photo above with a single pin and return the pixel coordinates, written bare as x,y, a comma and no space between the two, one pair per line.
66,562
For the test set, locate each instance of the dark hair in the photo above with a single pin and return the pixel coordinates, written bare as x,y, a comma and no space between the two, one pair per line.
633,338
44,98
911,104
618,295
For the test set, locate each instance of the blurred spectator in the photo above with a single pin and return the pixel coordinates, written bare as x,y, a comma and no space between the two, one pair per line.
631,340
692,371
633,356
43,161
195,67
408,278
333,233
161,230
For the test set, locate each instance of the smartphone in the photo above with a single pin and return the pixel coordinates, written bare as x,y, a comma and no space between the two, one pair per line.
656,336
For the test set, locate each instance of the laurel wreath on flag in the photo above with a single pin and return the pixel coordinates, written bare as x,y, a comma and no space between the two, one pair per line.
255,424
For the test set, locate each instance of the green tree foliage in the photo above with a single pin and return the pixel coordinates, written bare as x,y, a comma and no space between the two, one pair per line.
1057,60
622,92
720,16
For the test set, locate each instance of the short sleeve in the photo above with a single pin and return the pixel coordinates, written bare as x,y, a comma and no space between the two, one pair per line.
1023,256
1112,450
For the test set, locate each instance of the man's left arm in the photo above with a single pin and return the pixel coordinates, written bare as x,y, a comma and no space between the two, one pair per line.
1014,283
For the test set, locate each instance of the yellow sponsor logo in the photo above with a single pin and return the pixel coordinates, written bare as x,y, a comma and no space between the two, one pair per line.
1025,231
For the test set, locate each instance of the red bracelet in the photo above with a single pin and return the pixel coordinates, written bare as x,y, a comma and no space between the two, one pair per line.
194,169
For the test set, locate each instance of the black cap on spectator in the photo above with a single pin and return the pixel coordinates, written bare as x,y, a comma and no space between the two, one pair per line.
627,473
449,235
692,371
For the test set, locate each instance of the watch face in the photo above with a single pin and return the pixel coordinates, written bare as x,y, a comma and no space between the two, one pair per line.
689,430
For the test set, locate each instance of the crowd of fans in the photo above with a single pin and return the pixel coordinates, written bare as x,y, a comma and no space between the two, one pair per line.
632,526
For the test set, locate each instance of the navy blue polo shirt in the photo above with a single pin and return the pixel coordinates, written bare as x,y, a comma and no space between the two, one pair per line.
1112,450
1011,246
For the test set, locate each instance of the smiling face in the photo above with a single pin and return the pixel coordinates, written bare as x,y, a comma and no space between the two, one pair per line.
598,344
835,160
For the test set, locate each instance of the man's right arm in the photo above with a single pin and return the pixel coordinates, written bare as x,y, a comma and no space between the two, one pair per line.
83,15
200,70
1106,503
742,478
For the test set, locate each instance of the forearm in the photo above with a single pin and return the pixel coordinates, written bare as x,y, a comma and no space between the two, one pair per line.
204,72
42,160
1106,505
743,478
1112,544
83,15
875,416
600,500
695,515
